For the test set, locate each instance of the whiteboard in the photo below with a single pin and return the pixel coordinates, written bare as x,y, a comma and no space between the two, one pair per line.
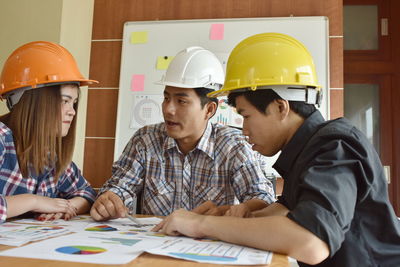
148,46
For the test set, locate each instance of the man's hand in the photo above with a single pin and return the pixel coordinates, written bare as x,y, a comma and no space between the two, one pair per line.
240,210
209,208
108,206
181,222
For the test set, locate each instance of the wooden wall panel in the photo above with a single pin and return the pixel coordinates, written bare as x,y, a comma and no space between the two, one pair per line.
109,18
337,103
101,112
336,62
98,160
105,62
110,15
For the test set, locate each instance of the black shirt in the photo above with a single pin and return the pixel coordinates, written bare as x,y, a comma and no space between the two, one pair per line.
335,187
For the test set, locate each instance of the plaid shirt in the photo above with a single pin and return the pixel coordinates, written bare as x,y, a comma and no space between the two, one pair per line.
222,168
70,184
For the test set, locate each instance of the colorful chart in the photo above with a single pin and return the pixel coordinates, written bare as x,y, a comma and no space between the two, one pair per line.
138,230
80,250
157,235
101,228
45,227
193,256
120,241
128,233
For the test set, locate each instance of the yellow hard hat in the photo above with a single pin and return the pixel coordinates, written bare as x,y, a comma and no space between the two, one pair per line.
272,61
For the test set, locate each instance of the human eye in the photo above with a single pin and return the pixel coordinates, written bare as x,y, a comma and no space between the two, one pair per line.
182,101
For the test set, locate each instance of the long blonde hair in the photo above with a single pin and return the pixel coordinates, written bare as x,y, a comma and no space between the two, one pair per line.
35,122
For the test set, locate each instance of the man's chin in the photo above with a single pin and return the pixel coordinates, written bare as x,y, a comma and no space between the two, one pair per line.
173,134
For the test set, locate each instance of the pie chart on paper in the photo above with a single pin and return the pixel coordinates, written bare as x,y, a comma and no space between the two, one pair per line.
80,250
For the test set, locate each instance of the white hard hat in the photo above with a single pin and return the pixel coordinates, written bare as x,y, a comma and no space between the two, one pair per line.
194,67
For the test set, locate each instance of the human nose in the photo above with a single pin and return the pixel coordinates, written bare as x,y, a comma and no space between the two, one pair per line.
168,107
245,130
71,110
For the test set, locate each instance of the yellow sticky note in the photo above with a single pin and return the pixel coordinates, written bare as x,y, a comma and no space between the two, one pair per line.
163,62
138,37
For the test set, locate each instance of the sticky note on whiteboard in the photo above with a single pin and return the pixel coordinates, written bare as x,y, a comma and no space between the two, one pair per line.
137,82
217,31
163,62
138,37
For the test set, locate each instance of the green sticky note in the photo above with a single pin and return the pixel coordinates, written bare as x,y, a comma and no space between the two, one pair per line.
138,37
163,62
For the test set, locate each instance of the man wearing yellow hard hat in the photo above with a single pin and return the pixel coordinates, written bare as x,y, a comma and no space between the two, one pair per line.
334,209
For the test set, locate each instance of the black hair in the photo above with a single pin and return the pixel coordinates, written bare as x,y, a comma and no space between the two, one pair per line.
202,94
261,98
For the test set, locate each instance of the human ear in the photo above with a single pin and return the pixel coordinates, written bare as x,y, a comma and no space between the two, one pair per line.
283,107
211,109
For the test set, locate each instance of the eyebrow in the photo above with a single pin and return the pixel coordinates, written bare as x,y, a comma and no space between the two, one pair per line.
68,96
239,111
177,94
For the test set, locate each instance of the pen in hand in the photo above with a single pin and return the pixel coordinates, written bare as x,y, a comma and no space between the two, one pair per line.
132,218
129,211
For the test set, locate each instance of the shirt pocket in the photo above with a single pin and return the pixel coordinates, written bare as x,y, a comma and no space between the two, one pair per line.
219,195
162,190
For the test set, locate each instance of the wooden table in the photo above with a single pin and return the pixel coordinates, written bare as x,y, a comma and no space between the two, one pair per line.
144,260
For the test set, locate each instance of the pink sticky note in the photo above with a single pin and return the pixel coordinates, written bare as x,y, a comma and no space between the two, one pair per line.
137,82
217,32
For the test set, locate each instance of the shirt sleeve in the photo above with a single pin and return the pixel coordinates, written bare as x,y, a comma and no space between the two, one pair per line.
328,192
249,179
73,184
128,172
3,202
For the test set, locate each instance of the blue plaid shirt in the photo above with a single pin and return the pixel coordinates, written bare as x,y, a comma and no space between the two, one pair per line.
70,184
222,168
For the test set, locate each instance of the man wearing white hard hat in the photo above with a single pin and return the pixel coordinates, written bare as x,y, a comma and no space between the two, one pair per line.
187,162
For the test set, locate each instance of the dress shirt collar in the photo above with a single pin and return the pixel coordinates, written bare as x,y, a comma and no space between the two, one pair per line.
291,150
205,144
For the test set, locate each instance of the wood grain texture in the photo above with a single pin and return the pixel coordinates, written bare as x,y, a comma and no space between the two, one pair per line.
105,61
98,160
110,16
336,104
101,112
336,62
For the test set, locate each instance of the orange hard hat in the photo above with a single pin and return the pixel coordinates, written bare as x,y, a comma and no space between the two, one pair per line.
39,64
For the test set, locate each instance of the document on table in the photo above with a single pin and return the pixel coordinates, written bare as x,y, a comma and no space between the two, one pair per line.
99,248
15,234
212,251
118,242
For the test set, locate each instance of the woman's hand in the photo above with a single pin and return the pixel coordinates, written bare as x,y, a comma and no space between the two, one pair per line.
53,205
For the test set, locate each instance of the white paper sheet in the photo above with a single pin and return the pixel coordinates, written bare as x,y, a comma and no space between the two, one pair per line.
87,247
211,251
120,241
14,234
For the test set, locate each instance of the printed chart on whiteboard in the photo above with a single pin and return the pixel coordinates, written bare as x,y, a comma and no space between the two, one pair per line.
146,110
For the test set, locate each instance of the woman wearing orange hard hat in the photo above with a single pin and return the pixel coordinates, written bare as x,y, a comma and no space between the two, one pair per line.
40,82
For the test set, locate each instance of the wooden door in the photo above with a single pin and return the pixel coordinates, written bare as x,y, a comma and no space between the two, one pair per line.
370,60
